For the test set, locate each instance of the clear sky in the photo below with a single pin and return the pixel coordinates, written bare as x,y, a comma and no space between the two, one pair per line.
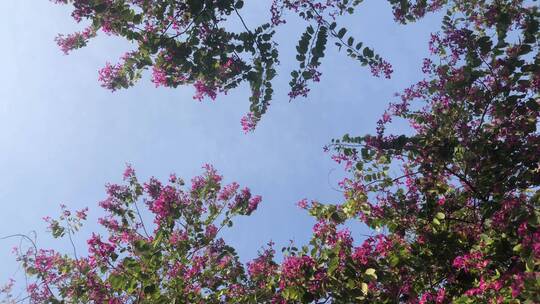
62,136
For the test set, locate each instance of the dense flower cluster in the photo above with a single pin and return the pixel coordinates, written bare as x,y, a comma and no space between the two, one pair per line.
76,40
120,75
248,122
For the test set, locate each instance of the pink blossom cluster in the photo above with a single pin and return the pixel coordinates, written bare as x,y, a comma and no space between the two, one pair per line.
119,75
438,298
276,10
248,122
262,267
471,261
228,191
382,68
294,267
159,76
100,251
110,75
76,40
202,89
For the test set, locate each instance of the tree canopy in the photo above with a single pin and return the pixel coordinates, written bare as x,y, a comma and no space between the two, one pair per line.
459,223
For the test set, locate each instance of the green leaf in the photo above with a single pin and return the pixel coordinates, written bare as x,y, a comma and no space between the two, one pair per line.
364,287
239,4
116,281
292,293
333,265
371,272
368,52
150,289
341,32
394,260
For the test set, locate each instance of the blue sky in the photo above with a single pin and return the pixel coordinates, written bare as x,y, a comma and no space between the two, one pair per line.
62,136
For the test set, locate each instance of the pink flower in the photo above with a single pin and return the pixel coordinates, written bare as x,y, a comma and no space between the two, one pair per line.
99,248
362,253
159,76
128,172
441,201
81,214
472,261
211,231
74,41
163,206
177,237
427,66
248,122
441,293
228,191
109,75
253,203
302,203
517,285
276,11
120,75
381,68
293,267
263,265
203,89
